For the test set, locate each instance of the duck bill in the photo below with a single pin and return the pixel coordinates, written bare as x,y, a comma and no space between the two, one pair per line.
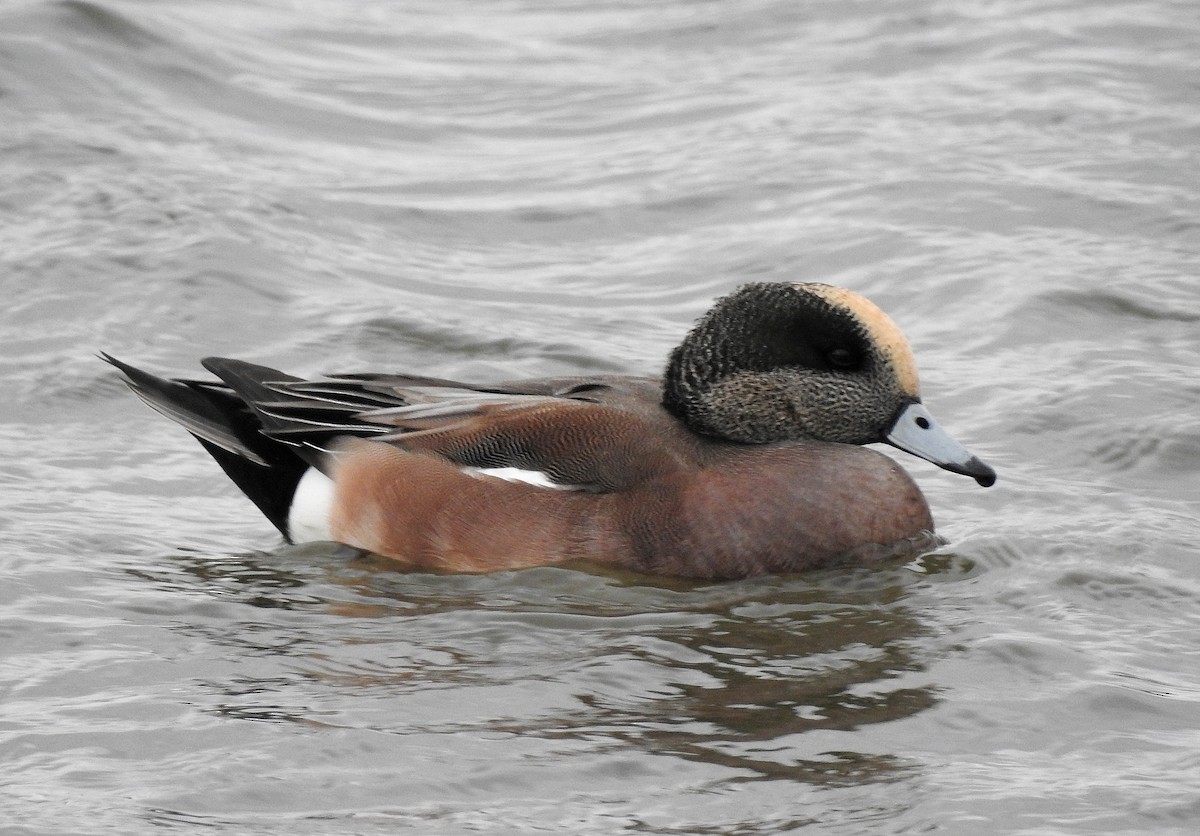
914,431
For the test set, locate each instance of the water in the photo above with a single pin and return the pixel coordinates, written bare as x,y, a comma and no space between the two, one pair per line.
505,189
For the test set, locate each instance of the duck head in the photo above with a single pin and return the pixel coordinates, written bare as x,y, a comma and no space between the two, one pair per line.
785,362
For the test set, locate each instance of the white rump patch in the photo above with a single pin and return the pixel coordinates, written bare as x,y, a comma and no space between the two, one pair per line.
308,518
537,478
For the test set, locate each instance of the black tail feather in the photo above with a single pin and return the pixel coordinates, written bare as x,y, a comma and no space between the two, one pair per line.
266,428
294,418
266,470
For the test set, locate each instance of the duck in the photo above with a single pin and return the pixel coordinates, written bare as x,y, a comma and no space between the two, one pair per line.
746,457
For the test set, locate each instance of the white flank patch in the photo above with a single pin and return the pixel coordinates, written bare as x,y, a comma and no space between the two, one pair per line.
308,518
537,478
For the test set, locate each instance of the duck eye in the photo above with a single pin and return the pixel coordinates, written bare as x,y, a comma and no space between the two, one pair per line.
842,358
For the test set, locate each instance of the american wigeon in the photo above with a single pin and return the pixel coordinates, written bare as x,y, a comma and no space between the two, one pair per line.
741,460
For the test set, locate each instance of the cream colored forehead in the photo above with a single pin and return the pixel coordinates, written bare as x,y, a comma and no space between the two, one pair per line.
884,334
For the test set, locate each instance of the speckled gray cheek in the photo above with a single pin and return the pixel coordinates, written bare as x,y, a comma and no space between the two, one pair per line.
797,403
848,409
752,408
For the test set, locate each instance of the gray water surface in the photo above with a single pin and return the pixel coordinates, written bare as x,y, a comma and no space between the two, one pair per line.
497,190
